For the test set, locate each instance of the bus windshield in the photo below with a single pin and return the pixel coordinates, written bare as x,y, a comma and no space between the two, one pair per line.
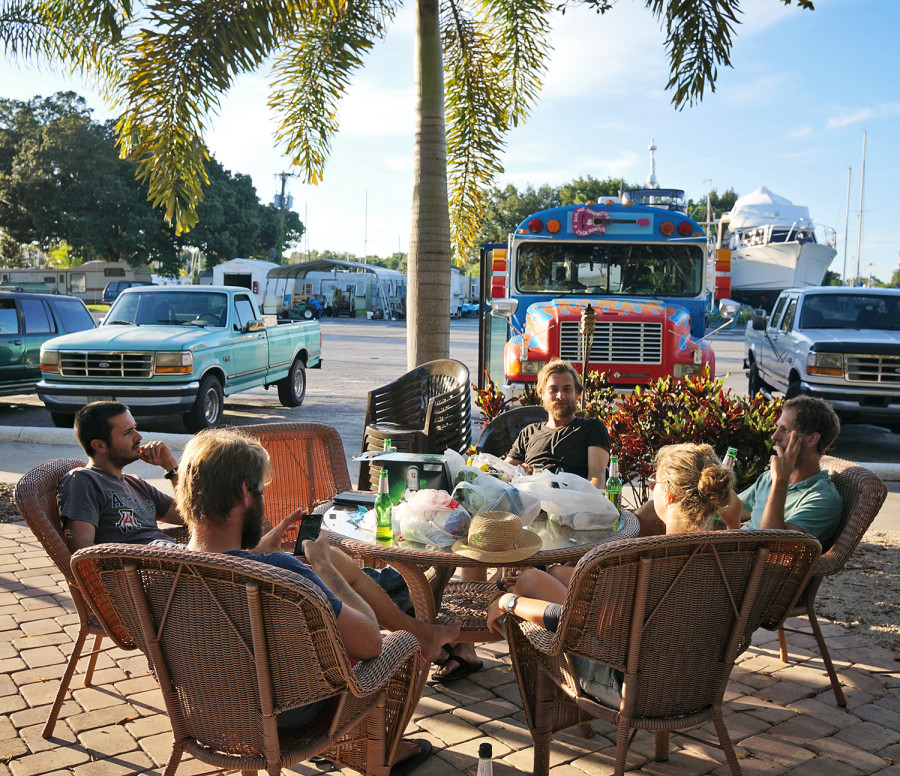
647,269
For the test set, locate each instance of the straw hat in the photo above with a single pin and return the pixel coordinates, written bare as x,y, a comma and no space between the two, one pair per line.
498,537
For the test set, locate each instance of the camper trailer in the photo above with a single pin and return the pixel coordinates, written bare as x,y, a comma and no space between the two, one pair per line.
86,281
246,273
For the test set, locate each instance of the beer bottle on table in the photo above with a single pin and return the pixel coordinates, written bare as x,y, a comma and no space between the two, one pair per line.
485,762
614,483
383,531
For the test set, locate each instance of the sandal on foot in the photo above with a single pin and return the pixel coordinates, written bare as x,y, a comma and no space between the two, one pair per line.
414,760
463,669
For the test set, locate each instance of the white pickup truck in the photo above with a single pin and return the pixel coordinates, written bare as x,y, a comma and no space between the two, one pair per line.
839,343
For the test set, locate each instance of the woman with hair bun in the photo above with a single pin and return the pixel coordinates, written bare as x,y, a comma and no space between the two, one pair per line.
688,486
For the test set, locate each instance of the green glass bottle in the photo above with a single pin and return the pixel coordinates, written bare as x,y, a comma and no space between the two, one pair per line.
728,463
383,531
614,483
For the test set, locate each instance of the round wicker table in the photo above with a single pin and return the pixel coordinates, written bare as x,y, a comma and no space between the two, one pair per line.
427,569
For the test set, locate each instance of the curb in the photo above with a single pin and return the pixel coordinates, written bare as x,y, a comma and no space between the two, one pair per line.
65,436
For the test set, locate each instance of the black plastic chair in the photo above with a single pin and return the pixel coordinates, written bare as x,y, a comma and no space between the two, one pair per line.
500,434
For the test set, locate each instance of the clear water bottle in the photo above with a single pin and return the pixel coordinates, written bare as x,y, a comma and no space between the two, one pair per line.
614,483
485,760
383,508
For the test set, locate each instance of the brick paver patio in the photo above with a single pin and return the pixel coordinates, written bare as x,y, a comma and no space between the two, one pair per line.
782,718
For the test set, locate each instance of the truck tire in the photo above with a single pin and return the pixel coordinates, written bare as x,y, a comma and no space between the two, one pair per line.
793,390
208,406
62,419
308,314
756,383
292,389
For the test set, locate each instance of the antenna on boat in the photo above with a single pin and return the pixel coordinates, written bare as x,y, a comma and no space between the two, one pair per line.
846,228
862,184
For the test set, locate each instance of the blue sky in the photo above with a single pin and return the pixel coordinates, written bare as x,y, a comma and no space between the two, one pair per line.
790,115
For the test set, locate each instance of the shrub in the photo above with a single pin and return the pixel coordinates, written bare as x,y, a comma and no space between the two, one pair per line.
697,409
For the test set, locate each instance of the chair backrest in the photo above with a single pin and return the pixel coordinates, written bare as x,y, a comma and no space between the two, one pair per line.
229,639
500,434
308,465
673,612
434,397
35,497
863,493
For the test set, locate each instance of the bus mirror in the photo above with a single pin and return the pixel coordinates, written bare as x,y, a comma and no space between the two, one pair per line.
505,308
728,309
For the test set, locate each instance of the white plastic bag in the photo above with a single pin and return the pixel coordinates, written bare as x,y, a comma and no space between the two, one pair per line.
570,500
432,517
478,491
497,467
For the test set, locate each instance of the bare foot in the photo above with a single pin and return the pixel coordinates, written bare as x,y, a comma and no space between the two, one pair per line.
433,637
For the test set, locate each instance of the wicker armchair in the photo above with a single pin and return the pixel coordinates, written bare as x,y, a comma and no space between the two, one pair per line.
500,434
672,613
427,410
233,643
35,497
308,467
863,493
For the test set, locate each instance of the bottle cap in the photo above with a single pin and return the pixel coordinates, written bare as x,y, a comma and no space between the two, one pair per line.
485,751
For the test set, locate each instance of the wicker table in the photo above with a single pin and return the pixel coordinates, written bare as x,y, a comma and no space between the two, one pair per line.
427,569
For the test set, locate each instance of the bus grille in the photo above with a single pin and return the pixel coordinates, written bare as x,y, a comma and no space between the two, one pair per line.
73,363
873,369
615,342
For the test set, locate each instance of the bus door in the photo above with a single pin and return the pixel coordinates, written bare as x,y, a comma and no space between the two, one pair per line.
492,330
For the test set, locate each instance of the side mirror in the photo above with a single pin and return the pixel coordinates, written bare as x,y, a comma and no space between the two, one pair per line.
254,326
729,309
759,320
505,307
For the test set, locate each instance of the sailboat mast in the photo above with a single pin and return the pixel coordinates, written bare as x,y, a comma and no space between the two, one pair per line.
846,228
862,185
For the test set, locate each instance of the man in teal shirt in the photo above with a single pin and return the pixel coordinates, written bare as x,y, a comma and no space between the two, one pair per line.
795,493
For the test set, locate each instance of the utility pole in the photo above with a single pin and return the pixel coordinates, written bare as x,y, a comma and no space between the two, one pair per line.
282,203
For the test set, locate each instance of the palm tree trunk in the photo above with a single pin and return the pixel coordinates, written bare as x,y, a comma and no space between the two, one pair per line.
428,265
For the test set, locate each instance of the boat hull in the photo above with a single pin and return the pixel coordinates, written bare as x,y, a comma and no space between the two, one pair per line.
766,270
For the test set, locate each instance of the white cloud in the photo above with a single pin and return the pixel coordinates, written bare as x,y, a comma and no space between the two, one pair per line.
858,116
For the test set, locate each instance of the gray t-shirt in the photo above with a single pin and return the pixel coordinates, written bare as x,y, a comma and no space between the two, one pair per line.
122,509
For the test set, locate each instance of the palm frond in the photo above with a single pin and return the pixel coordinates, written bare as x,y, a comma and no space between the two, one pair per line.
312,74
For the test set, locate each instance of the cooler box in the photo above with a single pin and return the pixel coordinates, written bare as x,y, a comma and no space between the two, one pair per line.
430,470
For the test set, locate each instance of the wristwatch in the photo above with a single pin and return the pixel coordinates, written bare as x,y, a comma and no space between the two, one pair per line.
510,605
172,473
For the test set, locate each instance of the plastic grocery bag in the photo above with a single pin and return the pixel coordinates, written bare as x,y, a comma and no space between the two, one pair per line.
432,517
570,500
496,467
479,491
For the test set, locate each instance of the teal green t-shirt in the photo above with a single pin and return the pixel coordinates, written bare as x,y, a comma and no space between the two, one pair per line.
813,505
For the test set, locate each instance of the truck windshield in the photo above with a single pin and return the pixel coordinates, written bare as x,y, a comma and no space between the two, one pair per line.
851,311
169,309
648,269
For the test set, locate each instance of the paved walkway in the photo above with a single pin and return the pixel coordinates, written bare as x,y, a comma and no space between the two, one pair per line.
782,717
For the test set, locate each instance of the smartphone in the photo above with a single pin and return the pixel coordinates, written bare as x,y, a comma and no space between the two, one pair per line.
309,529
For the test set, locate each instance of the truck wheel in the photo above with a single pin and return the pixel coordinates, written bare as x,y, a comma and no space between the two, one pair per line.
62,420
793,390
292,389
308,314
756,383
207,409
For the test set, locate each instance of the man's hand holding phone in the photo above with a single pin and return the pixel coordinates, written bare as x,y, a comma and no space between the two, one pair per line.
310,528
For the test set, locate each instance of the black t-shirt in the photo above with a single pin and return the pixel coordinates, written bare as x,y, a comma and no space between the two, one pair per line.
563,448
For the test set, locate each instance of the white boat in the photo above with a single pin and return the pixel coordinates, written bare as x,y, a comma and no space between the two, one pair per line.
774,245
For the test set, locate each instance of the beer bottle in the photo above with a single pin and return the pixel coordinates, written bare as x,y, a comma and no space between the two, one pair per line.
485,762
614,483
383,530
730,458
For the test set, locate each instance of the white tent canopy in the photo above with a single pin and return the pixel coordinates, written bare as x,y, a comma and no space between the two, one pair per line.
762,208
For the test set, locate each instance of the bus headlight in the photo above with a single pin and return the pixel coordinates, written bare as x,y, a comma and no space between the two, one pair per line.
825,364
177,363
49,360
686,370
532,367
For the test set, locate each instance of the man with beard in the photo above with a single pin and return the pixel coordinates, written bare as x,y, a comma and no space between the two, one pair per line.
794,492
220,493
99,503
573,444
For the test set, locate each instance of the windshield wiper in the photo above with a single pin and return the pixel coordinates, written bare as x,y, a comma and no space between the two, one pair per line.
126,323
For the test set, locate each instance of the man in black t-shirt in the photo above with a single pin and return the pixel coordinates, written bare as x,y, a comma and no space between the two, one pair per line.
576,445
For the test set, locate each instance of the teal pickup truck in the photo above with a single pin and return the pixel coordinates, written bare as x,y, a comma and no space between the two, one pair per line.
178,350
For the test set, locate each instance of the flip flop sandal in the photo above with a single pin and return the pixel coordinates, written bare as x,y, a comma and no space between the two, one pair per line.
442,661
414,760
462,670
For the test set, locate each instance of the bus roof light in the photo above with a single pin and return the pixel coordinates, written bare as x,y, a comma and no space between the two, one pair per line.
536,225
667,228
553,226
685,229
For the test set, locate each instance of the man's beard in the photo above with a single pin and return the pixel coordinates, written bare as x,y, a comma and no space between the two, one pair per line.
560,410
122,461
252,529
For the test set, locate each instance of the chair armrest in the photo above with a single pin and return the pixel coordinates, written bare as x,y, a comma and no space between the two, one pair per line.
372,675
542,640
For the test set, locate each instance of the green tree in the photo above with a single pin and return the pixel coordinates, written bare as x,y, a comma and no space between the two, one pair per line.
719,205
166,65
267,238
